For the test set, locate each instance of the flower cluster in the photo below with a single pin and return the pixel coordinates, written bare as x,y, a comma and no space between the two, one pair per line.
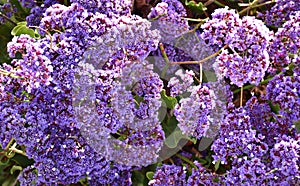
245,57
110,8
285,91
8,10
169,175
280,12
81,102
285,45
168,19
34,68
180,84
237,137
193,112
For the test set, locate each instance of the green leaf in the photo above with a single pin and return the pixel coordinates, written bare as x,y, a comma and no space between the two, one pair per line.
173,139
22,160
5,37
274,108
170,101
4,162
217,165
209,76
195,7
297,125
150,175
138,178
169,126
202,161
15,168
21,28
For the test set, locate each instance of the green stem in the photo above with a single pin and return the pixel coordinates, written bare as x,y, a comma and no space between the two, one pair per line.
9,144
255,5
164,54
157,17
8,19
249,7
18,151
241,97
219,4
201,61
187,160
201,73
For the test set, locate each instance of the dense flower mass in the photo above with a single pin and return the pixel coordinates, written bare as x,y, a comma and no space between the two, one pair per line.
110,8
285,45
168,19
244,57
221,29
285,91
193,113
191,94
34,68
169,175
280,12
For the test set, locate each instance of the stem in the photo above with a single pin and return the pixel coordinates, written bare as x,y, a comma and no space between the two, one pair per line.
201,73
219,4
254,5
164,54
6,73
241,97
187,160
196,20
18,151
201,61
251,86
8,19
157,17
198,25
9,144
46,33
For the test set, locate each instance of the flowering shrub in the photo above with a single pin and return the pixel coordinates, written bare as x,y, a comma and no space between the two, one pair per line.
171,92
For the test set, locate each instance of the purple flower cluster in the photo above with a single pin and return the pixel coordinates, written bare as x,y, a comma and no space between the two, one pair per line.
36,12
285,91
247,172
127,104
8,10
237,137
221,29
285,159
169,175
245,57
111,8
280,12
285,45
168,19
180,84
193,112
201,176
34,68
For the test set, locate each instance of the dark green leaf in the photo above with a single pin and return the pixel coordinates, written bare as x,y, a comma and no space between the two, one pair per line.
274,108
138,178
195,7
150,175
170,101
22,29
217,165
297,125
15,168
22,160
173,139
